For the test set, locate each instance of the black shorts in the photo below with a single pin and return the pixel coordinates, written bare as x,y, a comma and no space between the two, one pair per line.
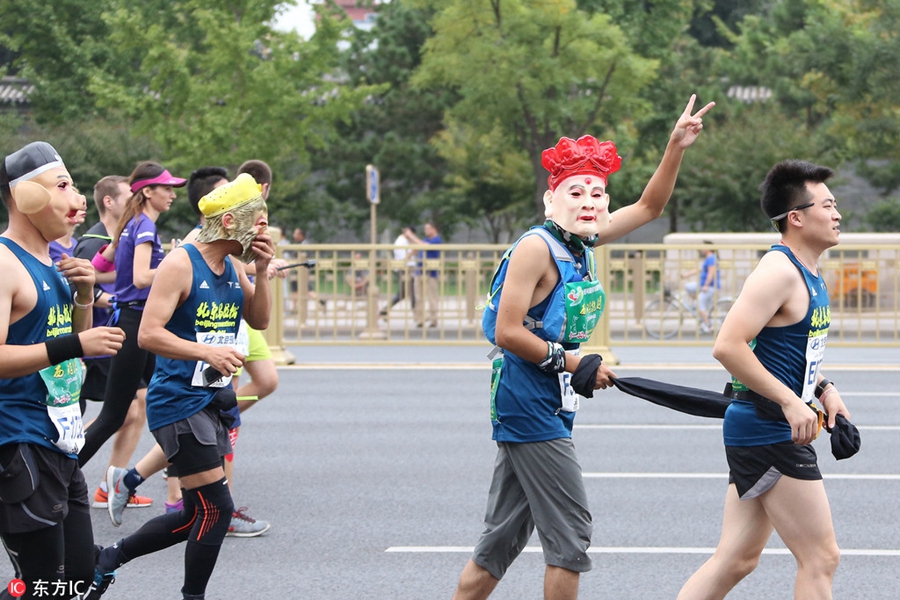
96,372
60,488
755,469
195,444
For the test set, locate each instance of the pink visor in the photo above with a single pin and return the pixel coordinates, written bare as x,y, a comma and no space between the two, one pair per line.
164,178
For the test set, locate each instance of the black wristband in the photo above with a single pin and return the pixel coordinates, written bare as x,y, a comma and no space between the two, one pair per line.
63,348
98,291
820,387
585,376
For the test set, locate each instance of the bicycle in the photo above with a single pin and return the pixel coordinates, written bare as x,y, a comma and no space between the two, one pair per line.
663,317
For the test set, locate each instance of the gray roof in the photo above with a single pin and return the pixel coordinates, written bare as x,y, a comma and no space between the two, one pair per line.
15,90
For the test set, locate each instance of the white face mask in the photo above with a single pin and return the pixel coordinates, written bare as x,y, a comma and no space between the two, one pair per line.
579,204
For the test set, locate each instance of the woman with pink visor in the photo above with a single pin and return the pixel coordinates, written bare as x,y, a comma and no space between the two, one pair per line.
138,251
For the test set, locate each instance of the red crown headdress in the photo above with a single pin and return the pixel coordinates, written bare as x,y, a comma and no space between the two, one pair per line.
587,156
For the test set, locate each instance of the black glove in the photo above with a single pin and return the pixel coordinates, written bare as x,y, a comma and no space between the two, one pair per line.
845,440
224,400
585,376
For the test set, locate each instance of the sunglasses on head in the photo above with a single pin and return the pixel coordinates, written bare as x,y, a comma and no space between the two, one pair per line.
774,220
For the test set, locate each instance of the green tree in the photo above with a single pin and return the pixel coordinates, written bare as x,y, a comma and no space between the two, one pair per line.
832,64
719,184
885,216
91,149
491,181
713,18
56,46
205,81
536,71
392,130
213,83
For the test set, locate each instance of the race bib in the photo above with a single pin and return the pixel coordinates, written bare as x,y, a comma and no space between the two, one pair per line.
570,401
815,352
63,383
201,376
243,339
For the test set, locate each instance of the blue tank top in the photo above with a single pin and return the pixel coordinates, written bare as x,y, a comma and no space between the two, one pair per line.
793,354
211,315
23,412
529,401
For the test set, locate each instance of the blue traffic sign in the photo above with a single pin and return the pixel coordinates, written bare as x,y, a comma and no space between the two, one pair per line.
372,191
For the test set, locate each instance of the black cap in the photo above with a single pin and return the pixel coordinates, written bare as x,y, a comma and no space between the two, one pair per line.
30,161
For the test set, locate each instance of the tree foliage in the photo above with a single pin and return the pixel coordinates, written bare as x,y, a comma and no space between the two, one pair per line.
392,129
534,72
213,81
56,46
454,100
723,195
885,216
491,182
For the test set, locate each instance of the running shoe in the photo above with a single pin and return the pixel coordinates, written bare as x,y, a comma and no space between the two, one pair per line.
175,506
244,526
134,501
98,586
118,494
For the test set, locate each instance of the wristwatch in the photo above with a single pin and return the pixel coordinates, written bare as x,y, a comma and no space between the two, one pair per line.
820,387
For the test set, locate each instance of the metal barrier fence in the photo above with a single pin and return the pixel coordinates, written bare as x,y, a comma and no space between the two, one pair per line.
348,295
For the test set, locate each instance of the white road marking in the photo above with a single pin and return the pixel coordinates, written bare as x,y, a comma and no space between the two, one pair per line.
853,476
632,550
686,427
486,366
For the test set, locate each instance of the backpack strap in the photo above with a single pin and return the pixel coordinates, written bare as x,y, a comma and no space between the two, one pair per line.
559,251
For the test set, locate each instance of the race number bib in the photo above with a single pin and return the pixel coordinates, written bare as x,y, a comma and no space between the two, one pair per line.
213,338
570,400
815,352
63,383
243,339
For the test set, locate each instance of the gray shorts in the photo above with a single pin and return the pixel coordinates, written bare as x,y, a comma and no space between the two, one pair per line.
207,442
536,485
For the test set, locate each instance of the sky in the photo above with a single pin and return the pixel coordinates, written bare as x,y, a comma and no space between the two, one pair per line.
299,18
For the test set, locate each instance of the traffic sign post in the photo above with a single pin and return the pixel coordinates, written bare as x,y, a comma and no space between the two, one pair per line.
372,191
373,195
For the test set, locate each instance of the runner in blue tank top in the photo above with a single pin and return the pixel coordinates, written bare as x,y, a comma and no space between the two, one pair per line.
191,322
45,523
550,303
773,343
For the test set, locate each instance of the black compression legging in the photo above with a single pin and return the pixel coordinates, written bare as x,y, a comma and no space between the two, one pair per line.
202,522
126,370
40,555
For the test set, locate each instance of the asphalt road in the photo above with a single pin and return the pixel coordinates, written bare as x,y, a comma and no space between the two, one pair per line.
373,466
